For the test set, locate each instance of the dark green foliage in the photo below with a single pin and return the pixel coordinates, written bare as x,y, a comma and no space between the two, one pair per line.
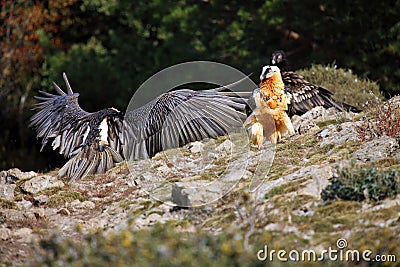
356,183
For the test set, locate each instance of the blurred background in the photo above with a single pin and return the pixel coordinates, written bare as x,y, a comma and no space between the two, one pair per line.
108,48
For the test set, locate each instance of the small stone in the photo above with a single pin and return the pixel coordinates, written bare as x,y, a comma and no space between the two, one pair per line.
225,147
85,205
40,183
20,175
41,199
7,191
196,147
195,193
24,204
64,211
39,213
22,232
164,170
5,234
324,133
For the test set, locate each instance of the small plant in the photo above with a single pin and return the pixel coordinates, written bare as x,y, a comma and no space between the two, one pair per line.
357,184
385,120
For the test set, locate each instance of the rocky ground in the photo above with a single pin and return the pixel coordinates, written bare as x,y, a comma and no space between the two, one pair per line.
286,211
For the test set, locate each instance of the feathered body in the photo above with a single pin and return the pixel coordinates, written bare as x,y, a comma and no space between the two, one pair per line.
303,95
270,110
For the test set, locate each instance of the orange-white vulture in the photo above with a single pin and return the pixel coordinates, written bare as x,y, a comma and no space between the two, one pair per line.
95,142
303,95
269,118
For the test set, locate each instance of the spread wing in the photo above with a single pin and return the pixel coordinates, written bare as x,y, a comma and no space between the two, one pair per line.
179,117
304,96
60,118
77,133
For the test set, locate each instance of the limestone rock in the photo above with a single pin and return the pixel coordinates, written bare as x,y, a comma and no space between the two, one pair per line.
308,121
24,234
40,183
5,234
7,191
24,204
41,199
339,134
13,175
226,147
195,193
85,205
196,147
375,149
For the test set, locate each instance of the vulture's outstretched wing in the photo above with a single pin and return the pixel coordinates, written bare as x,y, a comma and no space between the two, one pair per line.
90,140
179,117
304,96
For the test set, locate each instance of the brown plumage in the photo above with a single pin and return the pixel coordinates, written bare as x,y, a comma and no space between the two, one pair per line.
303,95
269,118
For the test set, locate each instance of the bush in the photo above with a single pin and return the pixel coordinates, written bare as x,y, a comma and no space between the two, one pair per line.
384,120
357,184
345,86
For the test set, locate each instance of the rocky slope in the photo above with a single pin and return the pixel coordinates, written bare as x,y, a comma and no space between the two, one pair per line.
285,211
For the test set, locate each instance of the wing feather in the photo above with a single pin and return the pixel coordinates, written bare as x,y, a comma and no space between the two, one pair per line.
179,117
76,132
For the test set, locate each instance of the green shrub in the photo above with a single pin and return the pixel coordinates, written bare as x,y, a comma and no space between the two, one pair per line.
346,86
356,183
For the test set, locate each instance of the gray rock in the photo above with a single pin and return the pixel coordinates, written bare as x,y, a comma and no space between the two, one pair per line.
375,149
40,183
339,134
64,211
320,178
195,193
5,234
226,147
308,121
13,175
41,199
85,205
7,191
196,147
24,234
39,212
24,204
